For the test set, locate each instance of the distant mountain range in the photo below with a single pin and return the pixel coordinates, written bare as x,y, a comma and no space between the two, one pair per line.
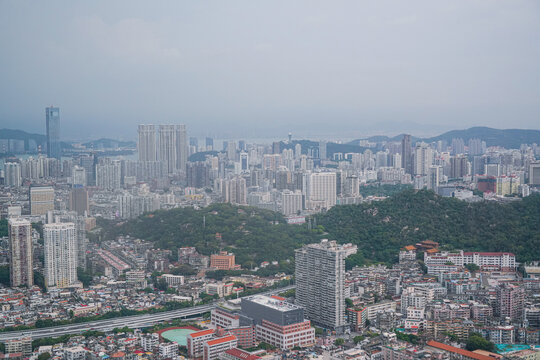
508,138
32,141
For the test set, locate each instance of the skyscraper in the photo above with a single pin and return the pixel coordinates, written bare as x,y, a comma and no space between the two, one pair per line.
320,282
52,118
167,147
406,158
12,174
147,143
20,252
60,254
181,148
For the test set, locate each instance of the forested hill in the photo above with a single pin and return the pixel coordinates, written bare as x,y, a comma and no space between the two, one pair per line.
381,228
254,235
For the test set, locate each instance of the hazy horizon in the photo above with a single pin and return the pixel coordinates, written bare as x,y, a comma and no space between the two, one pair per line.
240,69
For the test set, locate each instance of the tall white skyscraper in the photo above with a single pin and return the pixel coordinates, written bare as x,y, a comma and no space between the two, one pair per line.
20,252
321,190
167,147
147,143
60,243
423,159
320,282
108,175
181,148
291,202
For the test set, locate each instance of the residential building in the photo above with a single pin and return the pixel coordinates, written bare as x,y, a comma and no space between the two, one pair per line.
60,254
20,252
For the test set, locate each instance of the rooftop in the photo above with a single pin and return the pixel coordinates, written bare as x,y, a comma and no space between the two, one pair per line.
271,302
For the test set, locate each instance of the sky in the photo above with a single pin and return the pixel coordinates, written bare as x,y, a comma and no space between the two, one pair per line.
256,69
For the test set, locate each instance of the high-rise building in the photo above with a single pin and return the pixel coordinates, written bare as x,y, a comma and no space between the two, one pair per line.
197,174
320,282
52,117
60,254
78,176
534,173
406,157
321,190
20,252
108,175
458,166
322,150
182,147
209,142
147,143
167,147
12,174
291,202
458,146
423,158
434,177
41,199
244,161
78,200
510,301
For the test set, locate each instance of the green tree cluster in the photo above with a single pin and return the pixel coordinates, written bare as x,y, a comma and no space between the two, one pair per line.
477,341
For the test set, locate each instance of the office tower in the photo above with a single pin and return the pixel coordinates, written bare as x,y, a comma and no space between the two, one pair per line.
78,176
52,117
182,147
321,190
78,200
534,173
209,142
276,147
458,146
458,166
60,254
434,177
193,141
108,175
510,301
291,202
167,147
147,143
423,159
20,252
406,157
320,282
12,174
322,150
41,200
244,161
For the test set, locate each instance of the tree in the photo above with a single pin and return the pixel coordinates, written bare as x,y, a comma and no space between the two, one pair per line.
44,356
472,267
4,275
349,303
477,341
358,338
339,342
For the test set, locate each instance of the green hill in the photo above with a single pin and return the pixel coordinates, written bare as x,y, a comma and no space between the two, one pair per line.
254,235
381,228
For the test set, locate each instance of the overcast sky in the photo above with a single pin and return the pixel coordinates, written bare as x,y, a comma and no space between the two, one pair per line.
253,69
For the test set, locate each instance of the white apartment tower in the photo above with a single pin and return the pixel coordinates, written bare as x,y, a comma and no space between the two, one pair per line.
167,147
20,252
181,147
321,190
423,158
147,143
60,254
320,282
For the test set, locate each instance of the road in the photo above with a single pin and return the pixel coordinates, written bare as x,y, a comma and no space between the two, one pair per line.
134,321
